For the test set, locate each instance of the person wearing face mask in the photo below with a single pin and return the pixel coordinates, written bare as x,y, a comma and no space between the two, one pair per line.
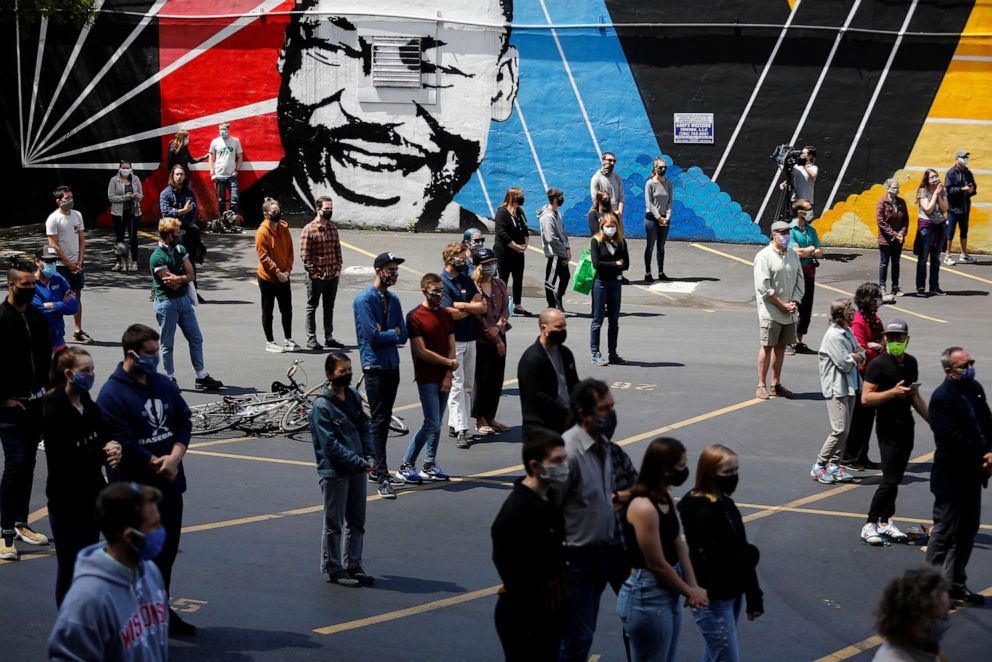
912,616
274,247
546,375
117,608
600,205
342,442
804,240
320,253
779,287
610,258
77,446
556,249
961,188
962,432
891,386
146,414
178,201
179,153
607,181
648,604
460,301
172,273
658,198
510,246
529,554
225,157
931,230
380,329
53,296
124,193
490,343
67,235
432,344
724,561
25,354
472,239
868,331
892,219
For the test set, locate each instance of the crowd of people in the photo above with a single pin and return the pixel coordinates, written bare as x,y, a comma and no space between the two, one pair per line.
582,516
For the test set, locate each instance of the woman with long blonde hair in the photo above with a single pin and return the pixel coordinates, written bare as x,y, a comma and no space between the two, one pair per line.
490,342
608,251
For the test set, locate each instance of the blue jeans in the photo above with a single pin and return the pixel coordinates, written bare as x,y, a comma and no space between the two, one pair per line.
223,185
655,233
605,304
929,250
718,623
889,253
433,401
588,573
651,616
179,311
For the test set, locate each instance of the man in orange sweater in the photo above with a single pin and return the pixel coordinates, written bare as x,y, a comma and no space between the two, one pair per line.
274,246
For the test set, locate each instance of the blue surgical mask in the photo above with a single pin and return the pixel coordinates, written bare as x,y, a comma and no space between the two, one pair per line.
83,381
968,374
783,240
146,364
489,269
48,269
225,133
154,542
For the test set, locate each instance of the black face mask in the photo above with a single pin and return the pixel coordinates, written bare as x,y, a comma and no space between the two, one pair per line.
23,295
727,484
607,425
326,214
520,200
678,477
561,200
557,337
662,170
274,216
342,380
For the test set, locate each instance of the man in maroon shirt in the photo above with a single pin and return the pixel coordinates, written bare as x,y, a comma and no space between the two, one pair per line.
432,342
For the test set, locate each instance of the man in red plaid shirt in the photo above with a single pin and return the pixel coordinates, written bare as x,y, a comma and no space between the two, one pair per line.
320,252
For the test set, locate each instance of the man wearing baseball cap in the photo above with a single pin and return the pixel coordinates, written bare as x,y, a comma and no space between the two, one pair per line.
961,187
53,296
380,328
779,287
891,385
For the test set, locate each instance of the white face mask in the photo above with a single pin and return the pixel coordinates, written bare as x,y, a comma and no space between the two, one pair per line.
963,161
125,172
610,230
894,191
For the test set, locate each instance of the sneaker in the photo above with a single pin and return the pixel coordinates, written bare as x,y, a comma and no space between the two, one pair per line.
597,359
208,383
663,278
850,465
779,390
274,347
178,627
29,535
869,535
896,291
966,259
948,262
815,471
461,440
386,490
434,472
133,268
290,345
803,348
7,550
920,292
839,474
882,290
790,350
82,338
824,476
333,344
938,292
891,531
762,393
961,593
520,311
648,278
451,432
616,359
364,578
408,474
342,578
314,345
624,280
117,267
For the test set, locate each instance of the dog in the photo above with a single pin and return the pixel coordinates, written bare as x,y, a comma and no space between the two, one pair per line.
123,257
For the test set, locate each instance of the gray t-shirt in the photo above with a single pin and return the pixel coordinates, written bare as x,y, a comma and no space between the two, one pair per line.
935,216
658,197
555,357
803,183
66,229
225,152
610,183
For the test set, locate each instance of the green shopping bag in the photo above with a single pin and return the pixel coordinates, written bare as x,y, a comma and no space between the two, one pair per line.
584,274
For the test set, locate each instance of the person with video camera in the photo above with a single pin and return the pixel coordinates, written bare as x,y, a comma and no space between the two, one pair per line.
803,173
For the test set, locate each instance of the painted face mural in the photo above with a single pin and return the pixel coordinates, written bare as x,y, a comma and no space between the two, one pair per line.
389,152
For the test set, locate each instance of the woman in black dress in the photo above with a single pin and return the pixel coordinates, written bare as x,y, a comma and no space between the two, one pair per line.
511,243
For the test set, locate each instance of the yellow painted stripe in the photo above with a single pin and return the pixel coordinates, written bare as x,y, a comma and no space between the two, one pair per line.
374,255
252,458
219,442
956,272
722,254
37,515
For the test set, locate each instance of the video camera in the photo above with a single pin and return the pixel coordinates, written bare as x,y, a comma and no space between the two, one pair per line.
786,156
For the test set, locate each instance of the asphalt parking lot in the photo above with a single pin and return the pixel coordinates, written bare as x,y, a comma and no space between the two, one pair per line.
247,574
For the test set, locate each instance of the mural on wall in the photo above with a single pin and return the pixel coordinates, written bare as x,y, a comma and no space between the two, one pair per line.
481,107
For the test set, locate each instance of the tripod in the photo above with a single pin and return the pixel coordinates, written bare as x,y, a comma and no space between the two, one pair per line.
784,205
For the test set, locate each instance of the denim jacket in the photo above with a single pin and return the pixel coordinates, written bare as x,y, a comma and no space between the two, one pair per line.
339,445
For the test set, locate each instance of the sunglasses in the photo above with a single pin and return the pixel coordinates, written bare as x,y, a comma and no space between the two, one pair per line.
967,364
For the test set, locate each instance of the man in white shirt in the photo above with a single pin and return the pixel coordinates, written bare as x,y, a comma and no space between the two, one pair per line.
607,180
804,175
225,157
66,234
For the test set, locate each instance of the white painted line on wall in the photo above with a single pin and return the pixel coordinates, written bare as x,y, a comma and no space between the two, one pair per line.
20,100
537,161
809,104
571,79
485,193
754,92
983,205
260,166
871,107
974,171
972,58
42,37
956,120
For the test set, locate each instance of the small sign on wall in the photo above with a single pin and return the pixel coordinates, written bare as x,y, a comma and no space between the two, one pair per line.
694,128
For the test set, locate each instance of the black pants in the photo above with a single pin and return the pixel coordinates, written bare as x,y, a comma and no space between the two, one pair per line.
192,241
129,222
321,292
172,521
73,529
556,277
489,370
806,305
955,523
895,450
859,441
380,388
20,432
272,292
526,635
511,265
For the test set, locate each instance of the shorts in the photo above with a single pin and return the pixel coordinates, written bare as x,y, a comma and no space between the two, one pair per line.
76,281
957,220
776,333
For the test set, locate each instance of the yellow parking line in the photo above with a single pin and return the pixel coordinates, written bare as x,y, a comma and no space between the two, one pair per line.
252,458
39,514
956,272
373,255
219,442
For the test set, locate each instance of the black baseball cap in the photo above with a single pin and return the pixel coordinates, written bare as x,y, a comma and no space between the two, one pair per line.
46,252
483,254
897,326
383,259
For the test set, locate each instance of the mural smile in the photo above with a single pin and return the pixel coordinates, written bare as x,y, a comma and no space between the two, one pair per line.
379,156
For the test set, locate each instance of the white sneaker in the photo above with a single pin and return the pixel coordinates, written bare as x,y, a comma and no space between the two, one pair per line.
967,259
890,530
839,474
869,534
948,262
291,345
274,348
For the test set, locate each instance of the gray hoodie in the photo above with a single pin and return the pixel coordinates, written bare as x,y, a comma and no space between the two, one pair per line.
552,232
110,614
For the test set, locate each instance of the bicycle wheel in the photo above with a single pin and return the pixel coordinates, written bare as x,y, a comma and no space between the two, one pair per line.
262,416
296,417
213,417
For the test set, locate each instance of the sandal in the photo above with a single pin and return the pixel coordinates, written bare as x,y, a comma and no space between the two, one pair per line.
485,430
500,427
117,267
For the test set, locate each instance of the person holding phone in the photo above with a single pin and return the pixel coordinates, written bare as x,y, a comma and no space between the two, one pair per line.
930,231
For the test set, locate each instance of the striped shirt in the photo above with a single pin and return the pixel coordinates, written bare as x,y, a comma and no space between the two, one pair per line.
320,250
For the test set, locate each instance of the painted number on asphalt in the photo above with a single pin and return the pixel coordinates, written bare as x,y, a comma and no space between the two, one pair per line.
637,387
187,605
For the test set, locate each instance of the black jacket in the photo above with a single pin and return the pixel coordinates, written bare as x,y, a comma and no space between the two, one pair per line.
538,385
509,228
962,431
959,202
25,352
606,264
74,452
724,562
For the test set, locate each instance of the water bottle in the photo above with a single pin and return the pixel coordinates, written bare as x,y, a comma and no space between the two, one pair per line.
511,307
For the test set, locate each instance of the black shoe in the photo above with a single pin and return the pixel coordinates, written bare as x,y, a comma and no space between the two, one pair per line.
451,432
208,383
386,490
363,577
663,278
648,278
199,298
178,627
624,280
803,348
333,344
869,465
938,292
314,345
920,292
342,578
616,359
961,593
